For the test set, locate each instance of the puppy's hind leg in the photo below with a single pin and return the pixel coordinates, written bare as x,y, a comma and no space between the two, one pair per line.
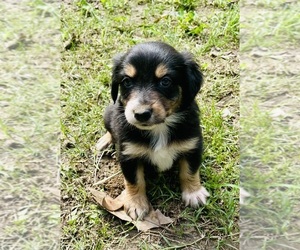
104,141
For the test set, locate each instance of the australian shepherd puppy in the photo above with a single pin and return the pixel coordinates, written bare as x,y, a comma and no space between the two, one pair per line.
154,121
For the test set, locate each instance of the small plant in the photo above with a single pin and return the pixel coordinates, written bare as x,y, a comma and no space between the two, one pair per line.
186,5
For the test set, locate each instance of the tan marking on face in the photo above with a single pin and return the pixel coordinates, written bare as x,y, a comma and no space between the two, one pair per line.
173,105
130,70
164,107
131,96
161,70
159,110
189,182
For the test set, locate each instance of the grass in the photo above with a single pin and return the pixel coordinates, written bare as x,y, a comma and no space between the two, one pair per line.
29,126
269,125
269,24
93,32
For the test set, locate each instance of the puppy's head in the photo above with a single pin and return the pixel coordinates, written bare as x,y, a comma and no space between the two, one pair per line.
154,81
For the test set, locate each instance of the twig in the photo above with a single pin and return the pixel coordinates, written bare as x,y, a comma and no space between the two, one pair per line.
186,245
107,179
97,162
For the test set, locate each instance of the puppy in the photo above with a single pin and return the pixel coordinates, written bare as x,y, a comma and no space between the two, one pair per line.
154,122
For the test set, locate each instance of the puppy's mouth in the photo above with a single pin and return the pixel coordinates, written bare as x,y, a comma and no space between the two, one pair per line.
153,121
144,119
144,127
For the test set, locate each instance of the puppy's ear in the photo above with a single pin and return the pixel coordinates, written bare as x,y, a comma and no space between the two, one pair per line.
118,60
195,78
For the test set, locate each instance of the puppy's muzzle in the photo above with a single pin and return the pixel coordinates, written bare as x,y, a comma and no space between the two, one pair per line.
143,115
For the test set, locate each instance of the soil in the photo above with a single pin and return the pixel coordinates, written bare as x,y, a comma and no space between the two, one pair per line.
115,185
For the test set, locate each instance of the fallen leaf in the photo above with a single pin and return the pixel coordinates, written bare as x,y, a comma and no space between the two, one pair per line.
116,207
113,204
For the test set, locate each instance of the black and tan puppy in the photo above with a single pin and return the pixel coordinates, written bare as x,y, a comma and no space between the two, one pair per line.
154,122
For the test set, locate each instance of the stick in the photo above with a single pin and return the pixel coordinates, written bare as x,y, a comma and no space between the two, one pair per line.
107,179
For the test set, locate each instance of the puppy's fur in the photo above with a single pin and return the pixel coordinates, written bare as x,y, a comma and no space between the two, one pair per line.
154,122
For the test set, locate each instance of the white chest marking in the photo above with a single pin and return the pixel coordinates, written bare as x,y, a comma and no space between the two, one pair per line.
161,155
160,137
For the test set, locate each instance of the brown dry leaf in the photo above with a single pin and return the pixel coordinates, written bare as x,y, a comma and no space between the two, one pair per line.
115,206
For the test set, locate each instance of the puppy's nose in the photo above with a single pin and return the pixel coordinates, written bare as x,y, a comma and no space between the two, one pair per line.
143,116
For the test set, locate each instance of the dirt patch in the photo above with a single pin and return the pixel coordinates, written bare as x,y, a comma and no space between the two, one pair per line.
110,167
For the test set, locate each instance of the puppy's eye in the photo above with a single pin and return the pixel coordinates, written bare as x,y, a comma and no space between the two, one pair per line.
127,82
165,82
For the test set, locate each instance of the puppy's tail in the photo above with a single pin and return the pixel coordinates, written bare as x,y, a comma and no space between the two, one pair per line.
104,142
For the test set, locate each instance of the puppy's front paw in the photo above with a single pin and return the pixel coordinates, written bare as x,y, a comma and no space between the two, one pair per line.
103,142
193,199
137,206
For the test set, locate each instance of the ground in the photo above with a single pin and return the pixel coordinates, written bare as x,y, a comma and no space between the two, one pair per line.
93,33
250,117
